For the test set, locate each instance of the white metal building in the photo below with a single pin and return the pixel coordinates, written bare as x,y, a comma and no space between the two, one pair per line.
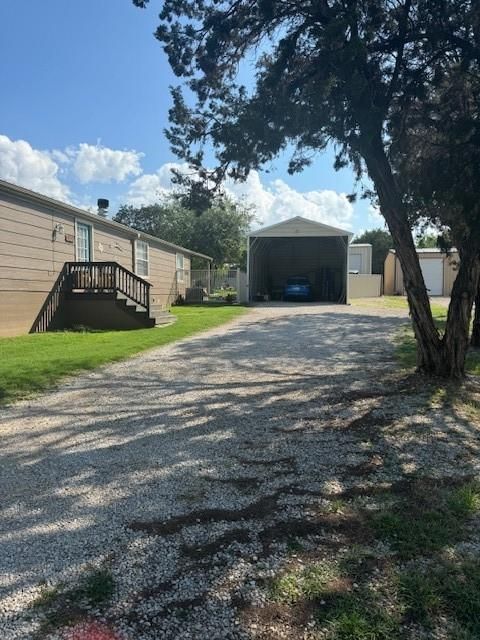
360,260
439,272
299,247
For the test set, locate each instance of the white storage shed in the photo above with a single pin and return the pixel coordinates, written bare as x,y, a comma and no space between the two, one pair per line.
360,258
438,268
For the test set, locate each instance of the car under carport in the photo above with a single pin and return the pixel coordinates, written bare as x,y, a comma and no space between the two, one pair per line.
298,247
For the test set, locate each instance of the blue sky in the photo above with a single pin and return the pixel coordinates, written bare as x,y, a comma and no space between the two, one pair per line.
84,103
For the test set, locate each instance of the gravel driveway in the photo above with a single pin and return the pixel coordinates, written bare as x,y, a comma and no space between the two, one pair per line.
187,471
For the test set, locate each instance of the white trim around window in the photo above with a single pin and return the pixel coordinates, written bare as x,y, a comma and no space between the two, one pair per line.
142,258
83,241
180,266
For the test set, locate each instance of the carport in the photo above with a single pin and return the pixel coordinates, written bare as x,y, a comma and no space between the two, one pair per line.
298,247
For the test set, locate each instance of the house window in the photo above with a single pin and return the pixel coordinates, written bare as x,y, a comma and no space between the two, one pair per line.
84,242
180,267
141,258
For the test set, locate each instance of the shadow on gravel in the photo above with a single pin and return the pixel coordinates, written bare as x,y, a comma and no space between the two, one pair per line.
248,440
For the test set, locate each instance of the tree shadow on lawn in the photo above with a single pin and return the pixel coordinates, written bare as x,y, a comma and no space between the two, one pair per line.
273,440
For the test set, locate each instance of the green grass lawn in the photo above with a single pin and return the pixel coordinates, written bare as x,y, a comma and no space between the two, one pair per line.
406,346
360,592
35,362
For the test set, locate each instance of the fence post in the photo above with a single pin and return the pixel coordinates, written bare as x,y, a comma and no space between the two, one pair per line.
238,285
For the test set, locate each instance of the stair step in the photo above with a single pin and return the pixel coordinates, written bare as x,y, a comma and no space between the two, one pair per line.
163,317
164,321
129,302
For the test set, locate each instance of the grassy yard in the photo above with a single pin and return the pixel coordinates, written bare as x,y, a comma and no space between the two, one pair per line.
35,362
396,576
406,348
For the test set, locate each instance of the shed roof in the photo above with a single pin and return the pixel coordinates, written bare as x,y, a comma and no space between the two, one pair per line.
33,196
432,250
299,227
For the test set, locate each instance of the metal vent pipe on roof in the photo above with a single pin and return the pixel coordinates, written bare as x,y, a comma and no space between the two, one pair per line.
102,204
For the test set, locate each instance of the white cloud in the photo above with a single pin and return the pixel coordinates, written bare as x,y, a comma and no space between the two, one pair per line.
21,164
279,201
273,203
94,163
48,171
151,187
375,217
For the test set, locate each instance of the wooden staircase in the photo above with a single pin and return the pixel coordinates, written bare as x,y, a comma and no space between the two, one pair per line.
121,298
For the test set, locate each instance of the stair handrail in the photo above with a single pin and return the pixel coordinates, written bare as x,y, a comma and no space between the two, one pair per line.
52,303
109,276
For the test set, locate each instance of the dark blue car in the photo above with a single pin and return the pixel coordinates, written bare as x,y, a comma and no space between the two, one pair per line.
298,288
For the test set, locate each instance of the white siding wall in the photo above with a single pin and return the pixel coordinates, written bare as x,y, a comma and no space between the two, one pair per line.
364,285
361,258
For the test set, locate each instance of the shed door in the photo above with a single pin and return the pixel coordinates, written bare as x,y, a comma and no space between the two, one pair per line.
355,262
432,270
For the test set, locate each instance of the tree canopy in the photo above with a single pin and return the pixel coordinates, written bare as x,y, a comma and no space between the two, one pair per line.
220,231
427,241
381,242
351,72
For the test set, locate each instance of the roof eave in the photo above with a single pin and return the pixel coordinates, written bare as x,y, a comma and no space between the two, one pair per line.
341,232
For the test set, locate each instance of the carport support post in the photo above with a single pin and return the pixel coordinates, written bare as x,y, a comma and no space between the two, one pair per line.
248,269
347,276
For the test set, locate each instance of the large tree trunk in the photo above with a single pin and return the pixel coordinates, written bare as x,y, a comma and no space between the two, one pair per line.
429,344
456,338
475,341
437,356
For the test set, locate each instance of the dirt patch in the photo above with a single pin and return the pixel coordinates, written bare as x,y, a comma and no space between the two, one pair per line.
366,468
198,552
238,483
369,423
277,620
260,509
288,460
352,526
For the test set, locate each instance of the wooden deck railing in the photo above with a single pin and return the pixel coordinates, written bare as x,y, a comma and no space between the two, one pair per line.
108,277
91,277
45,320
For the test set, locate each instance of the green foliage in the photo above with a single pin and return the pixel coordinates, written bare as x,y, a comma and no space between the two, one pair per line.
46,597
411,533
427,523
357,616
309,583
367,594
37,361
448,589
420,596
465,501
63,605
324,71
98,587
442,145
427,241
218,231
381,242
406,346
